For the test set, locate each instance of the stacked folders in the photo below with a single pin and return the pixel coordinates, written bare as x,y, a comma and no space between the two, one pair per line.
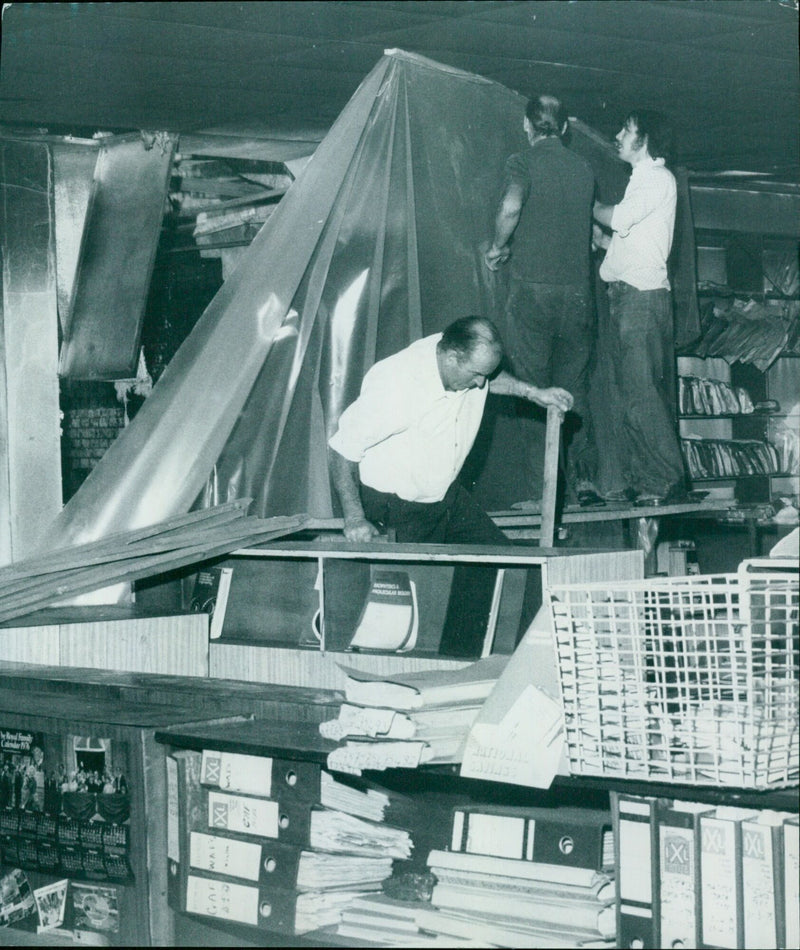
525,877
405,720
699,875
275,844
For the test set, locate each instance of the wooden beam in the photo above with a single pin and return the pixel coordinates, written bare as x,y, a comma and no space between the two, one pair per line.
552,442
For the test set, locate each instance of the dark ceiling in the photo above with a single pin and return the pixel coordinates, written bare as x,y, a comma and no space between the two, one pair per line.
248,76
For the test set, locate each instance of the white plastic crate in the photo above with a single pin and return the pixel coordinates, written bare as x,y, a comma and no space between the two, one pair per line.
692,680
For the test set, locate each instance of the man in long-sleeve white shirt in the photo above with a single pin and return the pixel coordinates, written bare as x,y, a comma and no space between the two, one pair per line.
640,305
400,446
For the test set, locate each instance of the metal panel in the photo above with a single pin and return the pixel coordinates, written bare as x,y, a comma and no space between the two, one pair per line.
116,261
752,211
74,188
30,484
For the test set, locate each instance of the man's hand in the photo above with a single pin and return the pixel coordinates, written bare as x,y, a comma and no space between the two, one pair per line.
600,240
359,529
496,256
553,396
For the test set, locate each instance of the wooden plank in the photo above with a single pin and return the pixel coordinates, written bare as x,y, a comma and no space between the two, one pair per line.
217,514
170,542
420,553
33,580
81,581
209,544
76,560
552,442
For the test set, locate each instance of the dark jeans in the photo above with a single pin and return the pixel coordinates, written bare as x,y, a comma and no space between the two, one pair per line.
456,519
644,377
549,339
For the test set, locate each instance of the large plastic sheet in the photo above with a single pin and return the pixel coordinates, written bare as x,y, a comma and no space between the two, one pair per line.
378,242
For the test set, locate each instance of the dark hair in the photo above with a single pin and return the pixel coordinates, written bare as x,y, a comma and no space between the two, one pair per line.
656,130
463,336
546,115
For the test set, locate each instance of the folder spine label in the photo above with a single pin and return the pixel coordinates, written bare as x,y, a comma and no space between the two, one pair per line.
223,900
720,875
252,816
227,856
233,772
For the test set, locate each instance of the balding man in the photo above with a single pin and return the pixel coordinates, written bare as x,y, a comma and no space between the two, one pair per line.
400,446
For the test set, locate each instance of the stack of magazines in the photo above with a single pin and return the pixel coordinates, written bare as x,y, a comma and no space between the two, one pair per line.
724,458
711,397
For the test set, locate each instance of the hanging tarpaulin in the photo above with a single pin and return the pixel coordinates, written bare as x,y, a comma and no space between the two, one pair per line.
378,242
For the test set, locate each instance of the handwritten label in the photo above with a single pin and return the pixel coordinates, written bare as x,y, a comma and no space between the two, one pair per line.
225,855
221,899
252,816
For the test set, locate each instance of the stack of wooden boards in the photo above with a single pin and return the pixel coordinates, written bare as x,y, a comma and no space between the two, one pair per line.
39,581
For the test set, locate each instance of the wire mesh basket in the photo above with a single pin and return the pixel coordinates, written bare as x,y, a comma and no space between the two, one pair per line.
692,680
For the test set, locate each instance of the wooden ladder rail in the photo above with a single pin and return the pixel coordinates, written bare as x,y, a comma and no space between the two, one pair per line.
552,443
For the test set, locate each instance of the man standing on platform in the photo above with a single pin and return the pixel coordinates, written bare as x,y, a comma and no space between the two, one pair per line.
640,305
400,446
546,210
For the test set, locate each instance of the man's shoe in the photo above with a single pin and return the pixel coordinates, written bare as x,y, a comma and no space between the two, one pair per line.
623,496
588,498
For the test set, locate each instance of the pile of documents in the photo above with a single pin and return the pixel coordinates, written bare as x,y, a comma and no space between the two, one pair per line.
525,877
382,921
406,720
275,844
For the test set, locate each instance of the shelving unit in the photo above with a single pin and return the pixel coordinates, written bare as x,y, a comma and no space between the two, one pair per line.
759,268
333,578
433,790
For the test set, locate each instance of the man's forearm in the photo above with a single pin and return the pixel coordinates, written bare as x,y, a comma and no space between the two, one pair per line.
603,213
504,225
345,480
504,384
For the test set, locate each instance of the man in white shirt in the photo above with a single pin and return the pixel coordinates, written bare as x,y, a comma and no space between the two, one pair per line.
640,305
400,446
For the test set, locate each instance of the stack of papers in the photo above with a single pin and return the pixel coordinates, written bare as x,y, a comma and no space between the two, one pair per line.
406,720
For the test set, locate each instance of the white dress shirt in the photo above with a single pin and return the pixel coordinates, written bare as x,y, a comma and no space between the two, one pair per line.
408,433
643,223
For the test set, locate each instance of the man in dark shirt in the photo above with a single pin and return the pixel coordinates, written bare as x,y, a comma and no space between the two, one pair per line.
549,322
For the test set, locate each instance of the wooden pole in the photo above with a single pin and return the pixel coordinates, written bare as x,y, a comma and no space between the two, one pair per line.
550,487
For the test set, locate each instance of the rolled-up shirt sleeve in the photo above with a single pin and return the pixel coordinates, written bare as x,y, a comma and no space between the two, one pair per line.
517,173
642,197
375,415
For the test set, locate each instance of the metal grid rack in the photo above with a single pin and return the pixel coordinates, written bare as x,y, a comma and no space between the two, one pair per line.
692,680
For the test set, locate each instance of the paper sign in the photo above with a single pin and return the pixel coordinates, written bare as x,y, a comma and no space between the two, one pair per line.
518,736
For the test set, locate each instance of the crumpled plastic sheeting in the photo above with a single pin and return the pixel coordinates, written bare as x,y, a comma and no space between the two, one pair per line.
378,242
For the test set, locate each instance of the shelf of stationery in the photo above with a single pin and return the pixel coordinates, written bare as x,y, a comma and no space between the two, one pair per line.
433,788
291,604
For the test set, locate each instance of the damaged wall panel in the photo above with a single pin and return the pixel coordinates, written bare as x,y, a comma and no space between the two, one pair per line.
74,186
116,264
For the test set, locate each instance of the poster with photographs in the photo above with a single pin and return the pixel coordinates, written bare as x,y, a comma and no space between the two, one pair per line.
22,774
95,907
65,805
51,902
16,898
